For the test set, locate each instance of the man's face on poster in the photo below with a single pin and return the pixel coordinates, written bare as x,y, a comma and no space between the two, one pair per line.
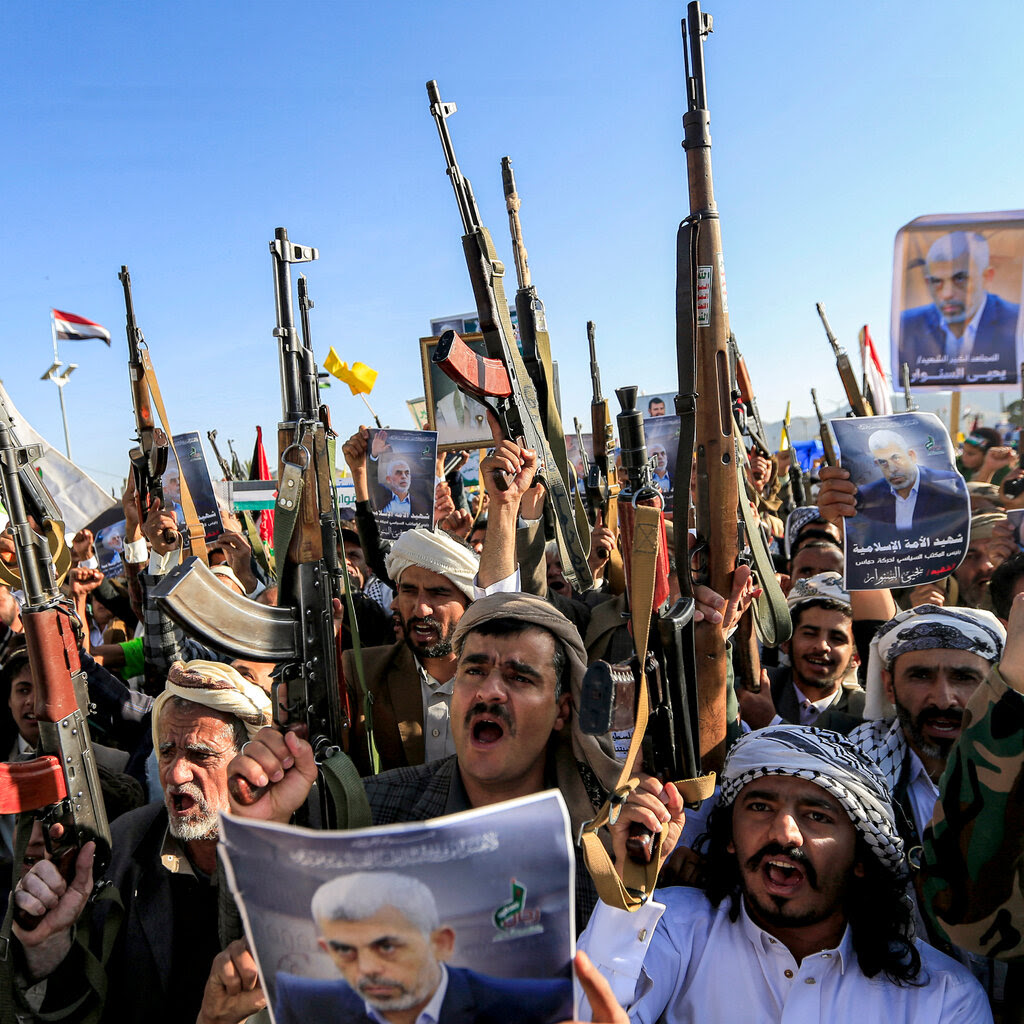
898,465
656,407
957,287
387,959
399,477
660,457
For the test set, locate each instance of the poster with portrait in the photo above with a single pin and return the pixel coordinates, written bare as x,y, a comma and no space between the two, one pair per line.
109,543
192,462
662,433
479,905
912,524
459,419
400,471
654,405
956,300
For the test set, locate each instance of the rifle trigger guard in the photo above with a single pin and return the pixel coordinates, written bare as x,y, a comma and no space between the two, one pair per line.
645,493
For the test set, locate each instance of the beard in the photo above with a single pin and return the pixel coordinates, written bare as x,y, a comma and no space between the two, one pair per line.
403,998
441,647
913,729
202,822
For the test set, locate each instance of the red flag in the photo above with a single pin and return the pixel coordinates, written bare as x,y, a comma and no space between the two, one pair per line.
77,328
881,401
260,470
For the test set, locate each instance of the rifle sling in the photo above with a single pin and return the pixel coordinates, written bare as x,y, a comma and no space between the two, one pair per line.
196,531
640,880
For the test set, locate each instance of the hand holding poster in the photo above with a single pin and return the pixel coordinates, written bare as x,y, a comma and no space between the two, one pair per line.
475,909
912,524
400,470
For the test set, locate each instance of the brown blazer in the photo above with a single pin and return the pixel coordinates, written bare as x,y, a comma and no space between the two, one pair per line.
393,681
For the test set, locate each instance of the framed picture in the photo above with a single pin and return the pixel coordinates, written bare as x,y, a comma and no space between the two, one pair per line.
459,419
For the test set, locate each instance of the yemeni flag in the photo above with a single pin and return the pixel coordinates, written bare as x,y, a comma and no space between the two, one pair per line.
72,327
874,375
260,470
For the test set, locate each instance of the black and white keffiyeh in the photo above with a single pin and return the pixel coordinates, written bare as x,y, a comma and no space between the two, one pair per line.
796,521
830,761
826,586
927,628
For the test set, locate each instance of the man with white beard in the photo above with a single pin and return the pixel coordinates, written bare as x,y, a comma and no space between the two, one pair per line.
163,867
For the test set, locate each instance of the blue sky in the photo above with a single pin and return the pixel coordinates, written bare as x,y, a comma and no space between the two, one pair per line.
175,138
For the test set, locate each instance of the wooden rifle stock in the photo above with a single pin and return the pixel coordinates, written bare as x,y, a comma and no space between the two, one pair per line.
702,320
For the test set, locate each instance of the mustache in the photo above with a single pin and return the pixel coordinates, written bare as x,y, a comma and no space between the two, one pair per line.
497,711
794,853
932,714
429,621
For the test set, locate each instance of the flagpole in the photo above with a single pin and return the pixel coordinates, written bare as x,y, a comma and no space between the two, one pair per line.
376,418
60,380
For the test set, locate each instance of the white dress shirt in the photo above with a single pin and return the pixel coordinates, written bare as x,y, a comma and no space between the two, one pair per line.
905,506
695,965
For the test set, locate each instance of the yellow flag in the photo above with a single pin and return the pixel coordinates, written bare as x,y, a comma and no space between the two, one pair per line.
784,444
359,377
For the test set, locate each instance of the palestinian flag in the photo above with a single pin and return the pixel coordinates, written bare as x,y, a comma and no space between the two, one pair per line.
76,328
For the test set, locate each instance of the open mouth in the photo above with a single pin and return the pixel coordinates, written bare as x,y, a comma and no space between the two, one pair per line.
820,664
782,876
486,731
947,727
182,803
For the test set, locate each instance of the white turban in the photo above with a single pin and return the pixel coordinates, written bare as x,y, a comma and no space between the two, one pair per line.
927,628
437,552
828,760
216,686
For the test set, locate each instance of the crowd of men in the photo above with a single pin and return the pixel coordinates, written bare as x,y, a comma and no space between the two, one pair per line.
861,856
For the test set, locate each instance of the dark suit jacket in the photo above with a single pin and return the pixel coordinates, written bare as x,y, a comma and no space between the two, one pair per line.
421,497
471,998
939,497
393,680
842,716
922,339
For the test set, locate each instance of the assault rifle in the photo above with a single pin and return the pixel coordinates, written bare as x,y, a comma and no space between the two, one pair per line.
501,379
61,785
536,346
858,403
298,634
602,479
671,748
725,523
825,431
149,457
225,467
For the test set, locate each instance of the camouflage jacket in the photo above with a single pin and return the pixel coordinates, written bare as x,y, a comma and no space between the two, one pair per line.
971,882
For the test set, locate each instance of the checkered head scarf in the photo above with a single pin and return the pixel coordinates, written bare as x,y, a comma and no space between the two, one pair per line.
828,760
826,586
800,517
926,628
